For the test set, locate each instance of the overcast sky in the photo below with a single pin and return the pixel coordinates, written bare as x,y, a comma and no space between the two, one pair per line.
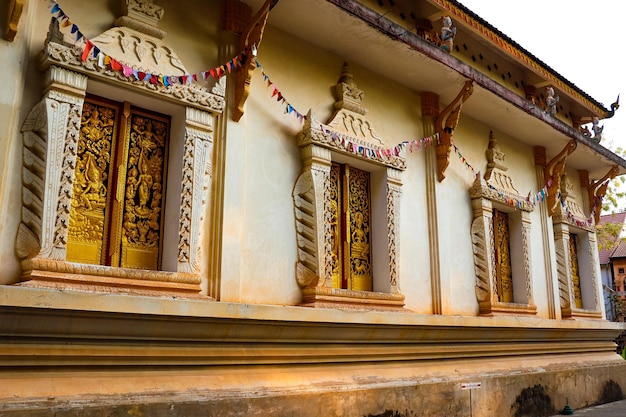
582,40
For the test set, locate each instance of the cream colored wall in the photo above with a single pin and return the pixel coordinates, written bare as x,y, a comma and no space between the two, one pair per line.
263,161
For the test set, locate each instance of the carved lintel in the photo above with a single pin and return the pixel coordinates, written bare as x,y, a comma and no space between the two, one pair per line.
445,123
14,13
553,172
597,191
251,36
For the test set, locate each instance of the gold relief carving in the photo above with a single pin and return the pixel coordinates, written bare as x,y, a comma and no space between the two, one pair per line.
573,259
445,123
360,265
503,257
336,208
552,174
90,191
144,192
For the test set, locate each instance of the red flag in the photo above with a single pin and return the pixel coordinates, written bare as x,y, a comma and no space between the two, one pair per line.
88,46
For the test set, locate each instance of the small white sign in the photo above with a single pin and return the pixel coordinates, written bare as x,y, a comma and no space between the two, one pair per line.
471,385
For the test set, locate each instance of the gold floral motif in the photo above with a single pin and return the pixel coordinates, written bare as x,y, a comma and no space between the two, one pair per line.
144,184
90,188
503,256
573,256
359,208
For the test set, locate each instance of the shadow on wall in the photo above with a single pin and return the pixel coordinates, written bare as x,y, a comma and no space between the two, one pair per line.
533,402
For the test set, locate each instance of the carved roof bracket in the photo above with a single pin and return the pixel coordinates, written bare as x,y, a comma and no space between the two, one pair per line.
445,123
250,37
553,172
597,191
14,12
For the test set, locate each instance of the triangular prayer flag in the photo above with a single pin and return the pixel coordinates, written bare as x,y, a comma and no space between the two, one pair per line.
55,8
115,65
87,50
96,51
74,28
213,73
140,75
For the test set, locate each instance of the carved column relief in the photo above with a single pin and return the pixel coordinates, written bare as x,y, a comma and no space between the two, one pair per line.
561,246
484,254
196,184
51,133
314,224
394,194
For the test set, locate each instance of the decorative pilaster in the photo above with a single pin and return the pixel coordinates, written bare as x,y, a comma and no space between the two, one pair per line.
394,194
540,163
50,132
430,110
196,185
312,207
484,254
561,247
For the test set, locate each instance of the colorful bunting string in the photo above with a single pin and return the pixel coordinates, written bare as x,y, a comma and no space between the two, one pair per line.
91,50
347,144
106,61
289,109
538,197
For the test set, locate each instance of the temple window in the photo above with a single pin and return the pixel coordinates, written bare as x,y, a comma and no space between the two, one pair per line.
117,170
346,205
500,237
576,252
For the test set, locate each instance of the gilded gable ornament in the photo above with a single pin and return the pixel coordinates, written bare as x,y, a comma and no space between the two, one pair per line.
349,116
496,168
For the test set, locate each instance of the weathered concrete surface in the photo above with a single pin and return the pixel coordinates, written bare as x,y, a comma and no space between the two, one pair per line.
534,393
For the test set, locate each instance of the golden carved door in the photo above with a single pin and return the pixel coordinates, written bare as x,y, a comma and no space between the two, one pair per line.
116,214
503,256
351,228
573,256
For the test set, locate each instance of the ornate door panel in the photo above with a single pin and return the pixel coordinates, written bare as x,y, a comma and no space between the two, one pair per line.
503,256
573,256
129,210
351,226
88,223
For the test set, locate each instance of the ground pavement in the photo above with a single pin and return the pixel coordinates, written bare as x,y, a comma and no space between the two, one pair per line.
614,409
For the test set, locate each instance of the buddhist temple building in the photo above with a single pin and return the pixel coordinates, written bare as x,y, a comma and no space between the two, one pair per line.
296,208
